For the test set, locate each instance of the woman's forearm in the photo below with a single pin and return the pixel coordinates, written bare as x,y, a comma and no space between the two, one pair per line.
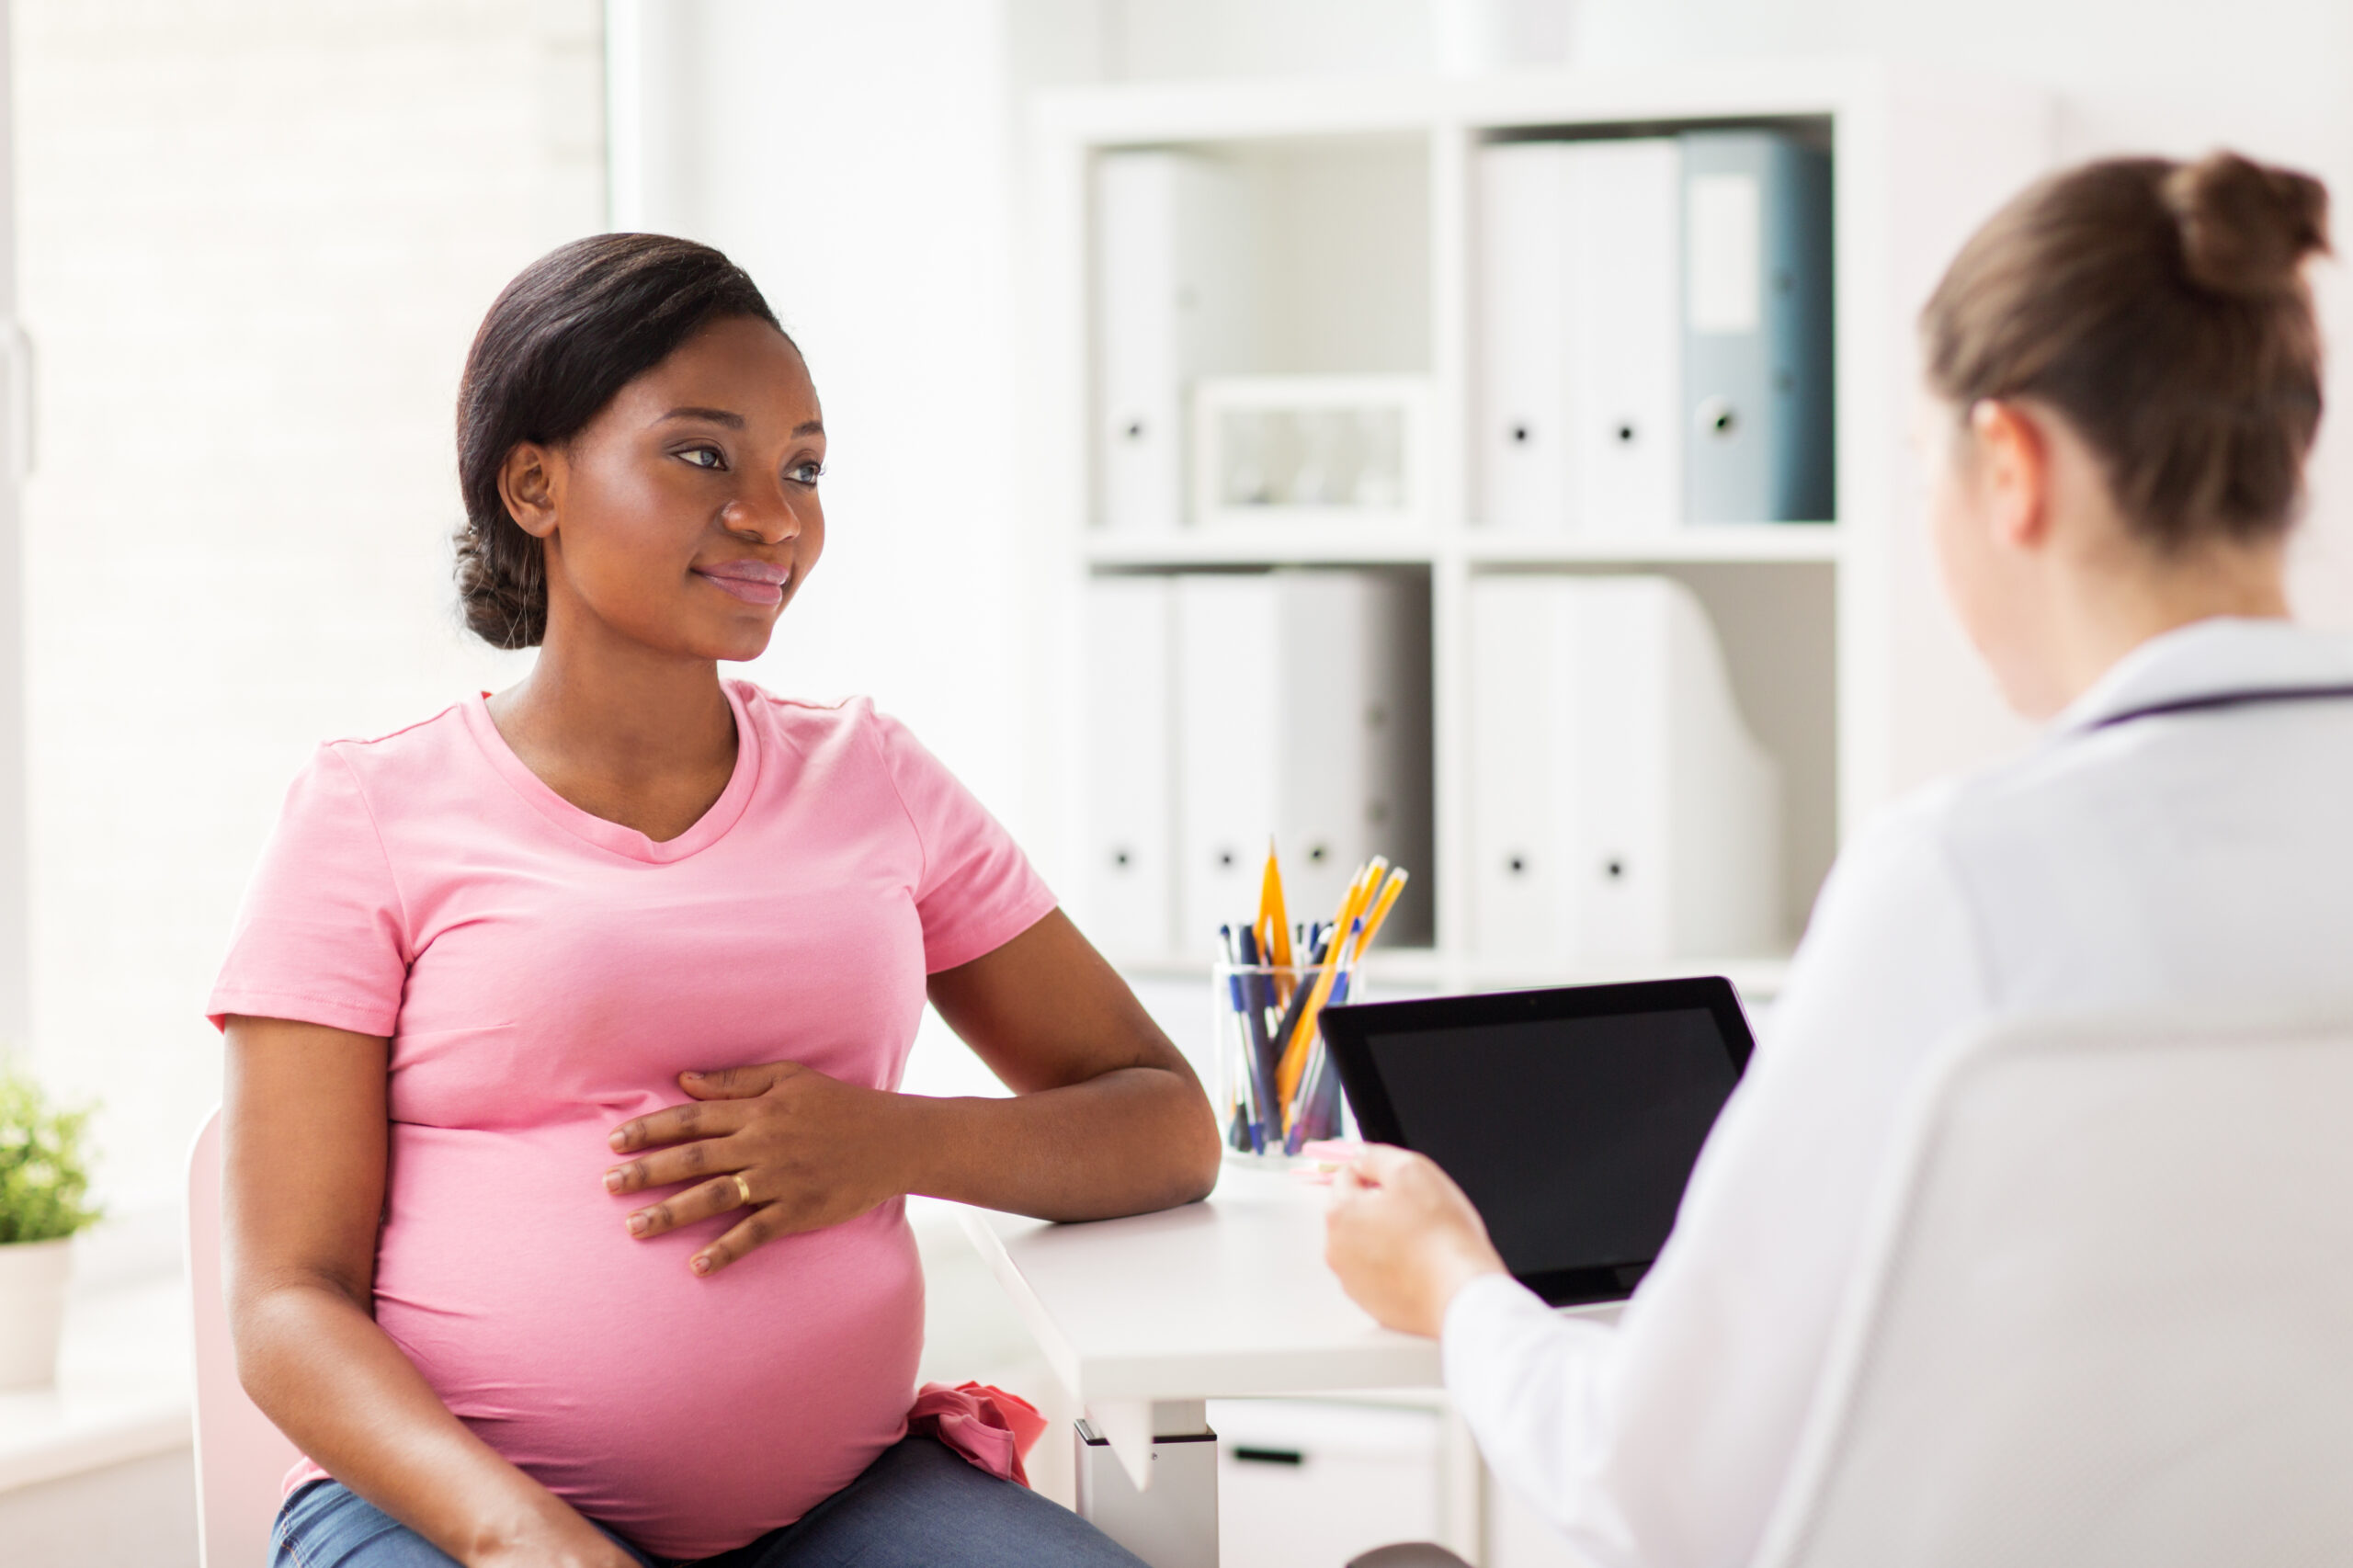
336,1383
1106,1117
1126,1143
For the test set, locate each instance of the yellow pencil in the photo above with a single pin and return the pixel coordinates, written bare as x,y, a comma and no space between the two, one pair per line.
1294,1057
1382,906
1346,951
1273,922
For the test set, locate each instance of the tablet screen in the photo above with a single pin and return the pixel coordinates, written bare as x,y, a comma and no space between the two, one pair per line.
1573,1136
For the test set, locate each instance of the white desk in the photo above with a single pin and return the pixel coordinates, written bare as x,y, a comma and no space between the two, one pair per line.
1146,1319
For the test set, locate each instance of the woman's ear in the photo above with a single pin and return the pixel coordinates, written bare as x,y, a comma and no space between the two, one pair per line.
2014,472
527,481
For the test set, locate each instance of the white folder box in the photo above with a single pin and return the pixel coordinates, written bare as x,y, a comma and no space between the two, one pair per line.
1131,884
1523,195
1623,814
1302,714
1579,256
1173,301
1626,374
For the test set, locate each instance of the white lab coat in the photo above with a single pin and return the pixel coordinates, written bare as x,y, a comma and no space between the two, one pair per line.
2198,858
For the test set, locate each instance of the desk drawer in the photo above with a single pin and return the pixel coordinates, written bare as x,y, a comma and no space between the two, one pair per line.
1308,1483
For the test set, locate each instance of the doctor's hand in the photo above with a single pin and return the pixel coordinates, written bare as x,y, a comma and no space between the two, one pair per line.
793,1149
1403,1238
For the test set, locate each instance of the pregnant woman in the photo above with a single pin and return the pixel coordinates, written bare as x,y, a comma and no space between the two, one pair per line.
564,1165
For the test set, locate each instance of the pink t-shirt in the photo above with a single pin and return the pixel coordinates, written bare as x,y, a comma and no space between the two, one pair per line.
543,974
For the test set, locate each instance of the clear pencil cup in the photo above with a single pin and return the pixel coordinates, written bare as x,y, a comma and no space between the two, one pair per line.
1276,1087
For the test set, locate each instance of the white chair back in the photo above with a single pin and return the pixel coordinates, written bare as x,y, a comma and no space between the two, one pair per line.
2105,1313
241,1458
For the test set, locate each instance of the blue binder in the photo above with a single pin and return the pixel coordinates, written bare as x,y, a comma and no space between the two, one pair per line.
1757,336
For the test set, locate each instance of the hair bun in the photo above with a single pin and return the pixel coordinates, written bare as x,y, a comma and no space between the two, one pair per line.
2246,227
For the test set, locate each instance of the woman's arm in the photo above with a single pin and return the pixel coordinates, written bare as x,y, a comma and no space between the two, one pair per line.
303,1156
1106,1116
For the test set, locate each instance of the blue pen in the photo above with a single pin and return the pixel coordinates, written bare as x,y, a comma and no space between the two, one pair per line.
1238,1134
1250,1126
1258,995
1255,991
1316,949
1304,1097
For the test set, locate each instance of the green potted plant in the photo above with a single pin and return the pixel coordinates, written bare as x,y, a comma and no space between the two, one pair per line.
44,1183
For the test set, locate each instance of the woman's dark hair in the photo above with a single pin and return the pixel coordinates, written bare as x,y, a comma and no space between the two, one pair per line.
2161,307
573,329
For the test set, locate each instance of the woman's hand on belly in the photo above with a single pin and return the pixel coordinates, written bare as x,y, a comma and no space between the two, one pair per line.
798,1150
1106,1115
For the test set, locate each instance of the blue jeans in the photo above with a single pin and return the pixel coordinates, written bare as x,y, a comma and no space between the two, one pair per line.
920,1505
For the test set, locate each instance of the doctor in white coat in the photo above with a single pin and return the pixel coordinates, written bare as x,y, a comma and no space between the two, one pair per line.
2124,374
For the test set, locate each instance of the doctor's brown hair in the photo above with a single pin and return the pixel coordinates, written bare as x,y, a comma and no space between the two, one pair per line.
2161,309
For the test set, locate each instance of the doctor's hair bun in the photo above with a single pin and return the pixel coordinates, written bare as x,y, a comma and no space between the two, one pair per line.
2160,309
574,328
2246,229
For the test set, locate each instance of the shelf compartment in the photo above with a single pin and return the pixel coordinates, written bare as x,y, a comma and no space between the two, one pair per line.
1776,623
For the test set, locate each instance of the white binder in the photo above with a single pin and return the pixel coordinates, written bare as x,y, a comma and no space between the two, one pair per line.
1579,376
1302,712
1626,373
1623,814
1173,301
1522,258
1130,885
1229,728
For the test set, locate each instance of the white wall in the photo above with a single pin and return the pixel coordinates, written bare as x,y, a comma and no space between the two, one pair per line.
256,238
857,160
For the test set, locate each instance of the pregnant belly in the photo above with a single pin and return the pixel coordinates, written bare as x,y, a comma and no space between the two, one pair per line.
690,1414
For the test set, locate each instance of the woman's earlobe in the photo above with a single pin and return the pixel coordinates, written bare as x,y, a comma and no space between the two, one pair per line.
526,485
2016,470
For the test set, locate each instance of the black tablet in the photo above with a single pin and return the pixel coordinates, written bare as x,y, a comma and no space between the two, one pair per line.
1571,1116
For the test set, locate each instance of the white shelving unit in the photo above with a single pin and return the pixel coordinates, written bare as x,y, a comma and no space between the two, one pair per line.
1843,663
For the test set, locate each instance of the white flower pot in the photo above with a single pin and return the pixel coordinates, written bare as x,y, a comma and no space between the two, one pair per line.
32,1310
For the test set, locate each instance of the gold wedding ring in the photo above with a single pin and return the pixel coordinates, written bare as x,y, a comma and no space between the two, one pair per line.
743,1189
